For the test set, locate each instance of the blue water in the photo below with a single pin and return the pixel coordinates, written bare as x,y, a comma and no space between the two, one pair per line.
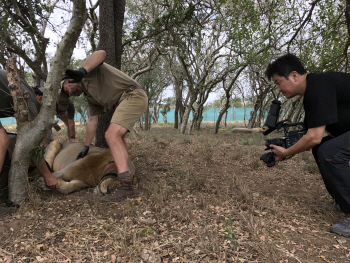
234,114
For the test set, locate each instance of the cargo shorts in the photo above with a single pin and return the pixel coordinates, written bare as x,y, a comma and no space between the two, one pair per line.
130,108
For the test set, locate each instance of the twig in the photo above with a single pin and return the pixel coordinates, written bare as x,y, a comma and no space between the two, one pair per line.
289,254
8,253
62,254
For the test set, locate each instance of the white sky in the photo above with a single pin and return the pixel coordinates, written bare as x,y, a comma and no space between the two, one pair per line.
79,52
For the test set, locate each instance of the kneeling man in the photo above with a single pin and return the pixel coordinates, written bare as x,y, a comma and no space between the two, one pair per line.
107,87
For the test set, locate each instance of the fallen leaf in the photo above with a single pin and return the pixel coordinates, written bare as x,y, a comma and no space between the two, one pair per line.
148,221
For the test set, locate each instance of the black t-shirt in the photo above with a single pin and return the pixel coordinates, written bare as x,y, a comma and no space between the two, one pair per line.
327,101
6,101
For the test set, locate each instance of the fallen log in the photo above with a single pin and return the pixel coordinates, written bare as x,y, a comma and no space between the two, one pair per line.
247,130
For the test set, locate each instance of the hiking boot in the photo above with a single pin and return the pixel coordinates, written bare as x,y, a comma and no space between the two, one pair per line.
342,228
126,190
5,210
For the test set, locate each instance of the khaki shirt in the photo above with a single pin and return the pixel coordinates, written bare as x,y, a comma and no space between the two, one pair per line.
6,101
103,87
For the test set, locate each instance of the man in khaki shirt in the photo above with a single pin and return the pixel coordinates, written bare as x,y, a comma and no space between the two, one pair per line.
107,87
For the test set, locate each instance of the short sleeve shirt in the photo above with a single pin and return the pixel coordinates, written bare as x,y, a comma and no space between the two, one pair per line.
103,87
6,101
327,101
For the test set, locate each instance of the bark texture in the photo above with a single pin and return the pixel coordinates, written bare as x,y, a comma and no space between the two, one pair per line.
30,134
111,31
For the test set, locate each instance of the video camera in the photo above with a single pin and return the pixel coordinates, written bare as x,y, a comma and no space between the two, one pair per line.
290,137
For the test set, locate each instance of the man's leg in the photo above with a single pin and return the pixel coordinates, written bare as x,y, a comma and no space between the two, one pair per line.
326,179
333,160
4,172
4,144
115,139
333,157
130,108
5,164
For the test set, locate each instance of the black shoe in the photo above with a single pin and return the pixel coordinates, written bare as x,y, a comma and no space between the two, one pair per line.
126,190
5,210
342,228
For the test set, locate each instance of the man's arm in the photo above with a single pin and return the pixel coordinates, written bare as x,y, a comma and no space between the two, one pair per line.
91,129
65,120
94,60
308,141
71,130
50,179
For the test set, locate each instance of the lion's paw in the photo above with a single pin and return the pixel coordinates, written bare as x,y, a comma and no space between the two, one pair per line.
40,183
108,185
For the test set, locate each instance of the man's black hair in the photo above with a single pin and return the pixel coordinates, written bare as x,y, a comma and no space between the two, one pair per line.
37,91
284,65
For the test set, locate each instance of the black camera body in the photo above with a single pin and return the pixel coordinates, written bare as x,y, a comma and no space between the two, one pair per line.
290,137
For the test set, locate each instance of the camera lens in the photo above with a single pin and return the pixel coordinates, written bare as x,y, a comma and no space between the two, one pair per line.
273,114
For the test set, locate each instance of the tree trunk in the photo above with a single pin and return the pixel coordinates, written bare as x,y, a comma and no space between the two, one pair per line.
30,134
185,120
147,120
194,120
187,113
111,30
178,105
155,113
199,118
221,113
176,116
141,122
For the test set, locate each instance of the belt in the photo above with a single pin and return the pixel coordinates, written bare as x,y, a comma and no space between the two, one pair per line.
130,89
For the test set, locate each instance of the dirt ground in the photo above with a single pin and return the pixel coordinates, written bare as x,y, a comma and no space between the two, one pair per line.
202,198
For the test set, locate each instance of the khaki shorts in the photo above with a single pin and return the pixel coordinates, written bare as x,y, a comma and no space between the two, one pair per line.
130,108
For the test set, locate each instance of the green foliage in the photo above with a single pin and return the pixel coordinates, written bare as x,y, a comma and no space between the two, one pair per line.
236,102
245,142
81,105
230,230
74,63
187,141
146,232
38,153
166,107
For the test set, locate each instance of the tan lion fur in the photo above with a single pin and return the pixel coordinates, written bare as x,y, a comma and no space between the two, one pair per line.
75,174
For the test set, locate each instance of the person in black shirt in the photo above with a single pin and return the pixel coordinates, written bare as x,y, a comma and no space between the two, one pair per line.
326,100
66,116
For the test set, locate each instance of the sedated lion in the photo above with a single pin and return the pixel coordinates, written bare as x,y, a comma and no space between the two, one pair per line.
96,169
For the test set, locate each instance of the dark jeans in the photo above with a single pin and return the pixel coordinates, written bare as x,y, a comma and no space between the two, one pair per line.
332,156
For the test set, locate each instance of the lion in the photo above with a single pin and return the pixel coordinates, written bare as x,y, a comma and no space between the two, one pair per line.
96,169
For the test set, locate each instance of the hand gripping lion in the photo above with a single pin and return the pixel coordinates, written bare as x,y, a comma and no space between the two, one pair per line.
96,169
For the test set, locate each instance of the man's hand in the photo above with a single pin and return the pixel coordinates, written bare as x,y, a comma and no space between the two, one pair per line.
279,151
76,75
51,182
83,152
270,159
